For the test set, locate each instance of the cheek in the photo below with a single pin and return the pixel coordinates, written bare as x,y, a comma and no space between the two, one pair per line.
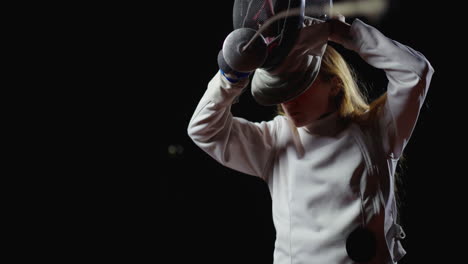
313,97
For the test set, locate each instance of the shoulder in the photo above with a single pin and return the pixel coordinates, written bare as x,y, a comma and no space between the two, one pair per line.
279,123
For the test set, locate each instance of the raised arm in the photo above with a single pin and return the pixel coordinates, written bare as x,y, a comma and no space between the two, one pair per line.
408,72
234,142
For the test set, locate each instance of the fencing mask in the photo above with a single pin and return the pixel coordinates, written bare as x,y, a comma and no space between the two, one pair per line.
283,41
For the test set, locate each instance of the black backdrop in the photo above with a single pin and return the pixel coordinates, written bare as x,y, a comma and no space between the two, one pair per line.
214,214
145,192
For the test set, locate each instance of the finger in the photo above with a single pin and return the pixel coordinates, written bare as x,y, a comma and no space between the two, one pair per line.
339,17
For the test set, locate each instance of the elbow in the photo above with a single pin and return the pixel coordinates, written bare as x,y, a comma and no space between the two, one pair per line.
200,132
426,77
429,66
424,68
419,78
192,130
428,70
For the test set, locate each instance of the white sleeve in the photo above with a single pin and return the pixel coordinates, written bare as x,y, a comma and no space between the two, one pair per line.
234,142
409,74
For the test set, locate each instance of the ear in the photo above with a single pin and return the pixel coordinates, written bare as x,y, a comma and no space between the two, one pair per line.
335,86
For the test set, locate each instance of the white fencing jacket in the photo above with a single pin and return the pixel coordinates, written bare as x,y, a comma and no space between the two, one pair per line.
338,175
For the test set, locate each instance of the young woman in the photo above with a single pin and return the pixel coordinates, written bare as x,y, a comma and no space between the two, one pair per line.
330,160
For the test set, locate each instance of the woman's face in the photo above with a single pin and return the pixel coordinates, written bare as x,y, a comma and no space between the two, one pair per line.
312,104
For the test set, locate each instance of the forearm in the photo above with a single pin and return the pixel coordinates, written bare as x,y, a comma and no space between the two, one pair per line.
409,74
234,142
213,109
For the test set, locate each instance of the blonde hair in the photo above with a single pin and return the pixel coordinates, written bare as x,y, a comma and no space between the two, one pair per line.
351,100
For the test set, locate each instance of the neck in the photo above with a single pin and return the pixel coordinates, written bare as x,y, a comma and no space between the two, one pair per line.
325,115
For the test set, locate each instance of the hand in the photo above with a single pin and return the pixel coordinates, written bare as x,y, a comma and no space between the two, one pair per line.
339,29
230,74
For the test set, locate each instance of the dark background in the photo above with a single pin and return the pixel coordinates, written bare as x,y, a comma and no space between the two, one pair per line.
213,214
138,188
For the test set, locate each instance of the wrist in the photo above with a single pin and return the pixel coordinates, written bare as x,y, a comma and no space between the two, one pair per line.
235,76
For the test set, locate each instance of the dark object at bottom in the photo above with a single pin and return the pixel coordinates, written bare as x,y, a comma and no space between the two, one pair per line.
361,245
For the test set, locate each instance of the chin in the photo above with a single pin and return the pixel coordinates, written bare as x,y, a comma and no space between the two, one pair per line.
298,123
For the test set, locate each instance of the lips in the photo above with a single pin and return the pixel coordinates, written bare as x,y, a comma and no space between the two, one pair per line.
294,114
